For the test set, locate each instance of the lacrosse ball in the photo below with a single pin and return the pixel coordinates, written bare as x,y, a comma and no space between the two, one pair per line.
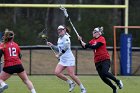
43,36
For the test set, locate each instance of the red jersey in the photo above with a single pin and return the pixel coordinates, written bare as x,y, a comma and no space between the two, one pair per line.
11,52
101,53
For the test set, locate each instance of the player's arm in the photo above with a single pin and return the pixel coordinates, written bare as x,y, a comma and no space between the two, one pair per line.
82,43
19,52
66,46
20,55
1,52
98,44
53,46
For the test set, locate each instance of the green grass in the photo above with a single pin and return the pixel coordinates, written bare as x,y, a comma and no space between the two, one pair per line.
51,84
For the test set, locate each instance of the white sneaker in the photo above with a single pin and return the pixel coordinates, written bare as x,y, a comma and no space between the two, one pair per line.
71,87
120,84
83,91
3,88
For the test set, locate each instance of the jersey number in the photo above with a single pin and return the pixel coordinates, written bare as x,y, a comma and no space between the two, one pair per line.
12,51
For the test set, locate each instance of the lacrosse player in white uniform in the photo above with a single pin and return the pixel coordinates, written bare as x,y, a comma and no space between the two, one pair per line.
66,59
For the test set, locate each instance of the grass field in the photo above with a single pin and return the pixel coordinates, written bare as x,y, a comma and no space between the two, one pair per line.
51,84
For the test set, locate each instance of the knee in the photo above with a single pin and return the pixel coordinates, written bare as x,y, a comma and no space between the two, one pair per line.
102,75
56,73
71,75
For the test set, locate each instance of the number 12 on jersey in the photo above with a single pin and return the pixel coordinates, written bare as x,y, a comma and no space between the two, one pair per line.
12,51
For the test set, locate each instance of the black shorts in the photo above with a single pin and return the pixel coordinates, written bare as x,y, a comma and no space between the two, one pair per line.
14,69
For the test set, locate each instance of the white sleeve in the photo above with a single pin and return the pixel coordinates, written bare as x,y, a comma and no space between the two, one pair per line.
66,43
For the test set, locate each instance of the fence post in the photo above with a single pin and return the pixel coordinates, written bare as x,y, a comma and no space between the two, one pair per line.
30,67
76,61
0,67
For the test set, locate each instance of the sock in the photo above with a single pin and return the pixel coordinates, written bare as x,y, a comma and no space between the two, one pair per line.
81,86
3,84
69,81
33,90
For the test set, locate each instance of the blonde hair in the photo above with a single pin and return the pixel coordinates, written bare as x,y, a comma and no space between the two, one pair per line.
8,36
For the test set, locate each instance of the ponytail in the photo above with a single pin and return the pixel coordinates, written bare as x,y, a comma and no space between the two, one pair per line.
67,32
8,36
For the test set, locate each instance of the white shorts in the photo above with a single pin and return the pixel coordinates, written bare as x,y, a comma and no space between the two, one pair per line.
67,63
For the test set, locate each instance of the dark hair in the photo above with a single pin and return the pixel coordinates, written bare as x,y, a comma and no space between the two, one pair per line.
67,30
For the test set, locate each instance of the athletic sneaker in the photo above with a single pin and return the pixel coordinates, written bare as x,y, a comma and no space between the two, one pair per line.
120,84
83,90
3,88
71,87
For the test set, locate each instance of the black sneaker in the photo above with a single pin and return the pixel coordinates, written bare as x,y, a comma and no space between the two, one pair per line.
115,90
120,84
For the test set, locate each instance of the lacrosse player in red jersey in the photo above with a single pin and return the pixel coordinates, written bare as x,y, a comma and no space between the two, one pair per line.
12,62
101,58
66,59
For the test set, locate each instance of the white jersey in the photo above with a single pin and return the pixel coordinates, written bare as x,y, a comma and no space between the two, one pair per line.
67,58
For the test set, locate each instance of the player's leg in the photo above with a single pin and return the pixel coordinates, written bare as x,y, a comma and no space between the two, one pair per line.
26,80
71,73
108,82
3,77
100,69
106,73
58,72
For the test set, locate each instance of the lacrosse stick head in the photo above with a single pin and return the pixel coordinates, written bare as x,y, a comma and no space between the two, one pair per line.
43,34
64,11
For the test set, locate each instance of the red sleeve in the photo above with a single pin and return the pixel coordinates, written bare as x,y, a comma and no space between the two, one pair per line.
91,41
101,39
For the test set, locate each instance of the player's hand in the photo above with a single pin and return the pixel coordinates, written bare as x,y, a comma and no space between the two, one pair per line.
83,43
49,44
57,56
79,38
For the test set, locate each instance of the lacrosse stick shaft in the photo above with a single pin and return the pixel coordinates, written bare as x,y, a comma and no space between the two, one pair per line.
74,28
51,47
53,50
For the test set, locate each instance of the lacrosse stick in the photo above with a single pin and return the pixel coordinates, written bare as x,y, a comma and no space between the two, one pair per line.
67,17
43,35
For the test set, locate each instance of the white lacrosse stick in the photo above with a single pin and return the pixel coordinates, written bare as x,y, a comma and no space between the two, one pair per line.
67,16
64,10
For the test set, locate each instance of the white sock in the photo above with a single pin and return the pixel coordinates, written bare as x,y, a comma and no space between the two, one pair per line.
69,81
3,84
81,86
33,90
